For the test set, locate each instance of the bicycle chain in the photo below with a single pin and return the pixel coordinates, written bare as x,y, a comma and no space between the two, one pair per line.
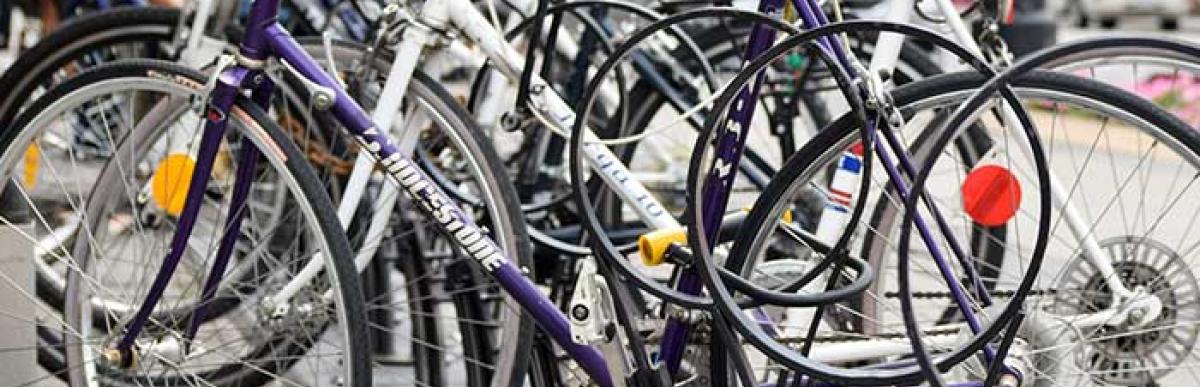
842,338
994,293
317,153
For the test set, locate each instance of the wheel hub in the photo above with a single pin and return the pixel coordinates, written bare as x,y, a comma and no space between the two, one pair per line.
1136,350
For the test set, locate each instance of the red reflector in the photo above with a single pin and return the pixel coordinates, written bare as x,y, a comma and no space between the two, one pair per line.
215,115
991,195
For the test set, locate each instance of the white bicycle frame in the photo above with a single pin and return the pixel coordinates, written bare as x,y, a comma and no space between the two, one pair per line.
476,28
887,55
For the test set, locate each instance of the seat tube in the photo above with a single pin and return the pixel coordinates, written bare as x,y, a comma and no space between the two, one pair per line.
730,140
888,45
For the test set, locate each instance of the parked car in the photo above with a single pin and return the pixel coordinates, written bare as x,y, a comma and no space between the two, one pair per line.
1108,12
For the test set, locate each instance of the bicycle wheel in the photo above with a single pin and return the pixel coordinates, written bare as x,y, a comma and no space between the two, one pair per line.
82,42
125,200
796,115
1108,149
441,321
1052,349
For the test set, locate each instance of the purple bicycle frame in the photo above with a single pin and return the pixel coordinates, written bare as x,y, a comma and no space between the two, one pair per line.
731,143
265,38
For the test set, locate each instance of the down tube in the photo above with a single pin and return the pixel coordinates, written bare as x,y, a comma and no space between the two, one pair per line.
443,210
720,180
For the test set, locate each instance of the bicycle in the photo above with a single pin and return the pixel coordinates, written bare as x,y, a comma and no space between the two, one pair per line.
400,162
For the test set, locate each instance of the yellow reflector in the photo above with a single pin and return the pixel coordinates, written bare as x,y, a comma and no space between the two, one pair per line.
33,159
170,182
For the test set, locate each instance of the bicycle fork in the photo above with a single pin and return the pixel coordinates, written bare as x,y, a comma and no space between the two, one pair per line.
229,84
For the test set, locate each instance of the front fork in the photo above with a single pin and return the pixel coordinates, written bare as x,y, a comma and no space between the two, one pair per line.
229,84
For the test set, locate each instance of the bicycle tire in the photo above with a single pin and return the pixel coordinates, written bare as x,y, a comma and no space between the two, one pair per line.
340,265
72,40
914,64
844,132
